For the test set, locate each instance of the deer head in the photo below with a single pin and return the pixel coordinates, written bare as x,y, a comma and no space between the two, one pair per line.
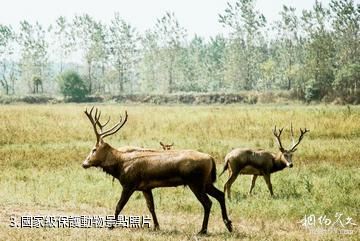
101,149
166,147
286,155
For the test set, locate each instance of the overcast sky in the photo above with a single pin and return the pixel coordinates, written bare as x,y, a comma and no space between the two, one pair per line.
197,16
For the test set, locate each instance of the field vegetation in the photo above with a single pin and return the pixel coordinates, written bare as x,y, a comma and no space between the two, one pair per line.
42,148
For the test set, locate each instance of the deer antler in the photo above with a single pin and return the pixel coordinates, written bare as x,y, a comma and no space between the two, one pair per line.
102,125
93,121
96,121
277,135
292,134
302,133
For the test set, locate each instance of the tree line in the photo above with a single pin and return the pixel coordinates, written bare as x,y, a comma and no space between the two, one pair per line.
315,55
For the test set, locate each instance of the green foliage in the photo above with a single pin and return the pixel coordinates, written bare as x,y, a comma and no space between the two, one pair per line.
348,78
91,36
123,45
63,41
246,24
171,36
72,86
313,55
312,91
8,67
34,53
6,35
346,25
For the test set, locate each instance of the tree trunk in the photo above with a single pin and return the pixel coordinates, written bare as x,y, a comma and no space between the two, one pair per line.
289,78
7,88
170,73
170,90
120,77
89,76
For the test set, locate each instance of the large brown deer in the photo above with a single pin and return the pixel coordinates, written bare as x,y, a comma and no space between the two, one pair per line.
139,169
259,162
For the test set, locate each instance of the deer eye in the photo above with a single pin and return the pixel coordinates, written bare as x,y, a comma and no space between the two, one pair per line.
93,151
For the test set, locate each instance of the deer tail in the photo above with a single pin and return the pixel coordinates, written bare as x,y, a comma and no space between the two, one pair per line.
226,166
213,171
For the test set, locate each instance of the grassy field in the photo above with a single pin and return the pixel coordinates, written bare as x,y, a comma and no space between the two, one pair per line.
42,148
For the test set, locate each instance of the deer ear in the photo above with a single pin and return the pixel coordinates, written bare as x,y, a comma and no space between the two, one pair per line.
294,150
161,143
281,149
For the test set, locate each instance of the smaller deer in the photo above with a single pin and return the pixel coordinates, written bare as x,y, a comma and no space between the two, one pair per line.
166,147
259,162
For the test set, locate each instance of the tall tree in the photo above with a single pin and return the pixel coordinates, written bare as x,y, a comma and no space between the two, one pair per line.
246,23
34,55
150,62
287,30
319,51
92,41
171,38
215,63
345,23
64,40
124,44
8,67
192,65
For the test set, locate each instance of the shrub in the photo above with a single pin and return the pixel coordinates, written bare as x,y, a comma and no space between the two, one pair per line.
312,91
72,86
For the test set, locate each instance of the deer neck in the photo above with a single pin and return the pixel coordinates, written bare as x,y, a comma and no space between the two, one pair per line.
113,163
278,164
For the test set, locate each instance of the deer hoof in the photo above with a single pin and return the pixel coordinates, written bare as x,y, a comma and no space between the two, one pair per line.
228,225
202,232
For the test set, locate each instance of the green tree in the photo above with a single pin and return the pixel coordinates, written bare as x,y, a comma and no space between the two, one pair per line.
347,79
8,67
268,75
215,63
346,27
72,86
34,52
319,49
288,39
92,41
246,24
192,65
171,38
37,83
150,62
124,45
63,42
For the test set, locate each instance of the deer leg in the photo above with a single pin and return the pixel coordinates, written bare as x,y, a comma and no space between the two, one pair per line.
253,183
206,202
150,204
125,195
220,197
268,183
228,184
